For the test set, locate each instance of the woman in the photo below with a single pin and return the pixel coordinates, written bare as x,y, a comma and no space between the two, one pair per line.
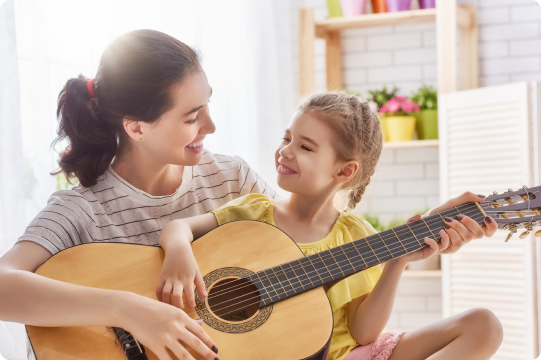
135,136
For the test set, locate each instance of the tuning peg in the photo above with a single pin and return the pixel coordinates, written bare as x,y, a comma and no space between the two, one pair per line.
524,235
509,237
537,233
509,190
495,193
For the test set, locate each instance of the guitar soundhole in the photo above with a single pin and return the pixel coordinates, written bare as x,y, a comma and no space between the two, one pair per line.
233,299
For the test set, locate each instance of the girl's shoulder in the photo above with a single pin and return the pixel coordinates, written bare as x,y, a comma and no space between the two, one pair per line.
247,207
356,224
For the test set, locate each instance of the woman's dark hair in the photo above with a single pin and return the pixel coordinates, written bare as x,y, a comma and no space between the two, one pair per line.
134,79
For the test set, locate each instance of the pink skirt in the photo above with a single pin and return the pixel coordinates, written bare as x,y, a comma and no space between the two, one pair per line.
381,349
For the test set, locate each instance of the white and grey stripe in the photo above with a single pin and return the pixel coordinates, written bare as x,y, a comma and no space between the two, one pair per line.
114,210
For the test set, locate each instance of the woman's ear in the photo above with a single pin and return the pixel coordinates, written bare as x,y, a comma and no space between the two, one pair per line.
133,128
347,171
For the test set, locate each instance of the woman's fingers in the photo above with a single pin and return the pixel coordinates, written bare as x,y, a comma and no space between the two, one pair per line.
195,328
444,242
490,226
455,241
475,230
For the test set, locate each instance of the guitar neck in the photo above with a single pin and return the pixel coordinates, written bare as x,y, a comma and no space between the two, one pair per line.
327,267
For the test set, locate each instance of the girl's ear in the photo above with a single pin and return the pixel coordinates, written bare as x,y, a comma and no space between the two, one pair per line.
133,128
347,171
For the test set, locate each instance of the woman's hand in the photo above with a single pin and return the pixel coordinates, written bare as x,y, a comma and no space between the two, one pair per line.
458,231
161,327
179,273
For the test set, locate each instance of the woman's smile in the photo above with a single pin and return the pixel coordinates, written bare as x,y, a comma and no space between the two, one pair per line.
195,147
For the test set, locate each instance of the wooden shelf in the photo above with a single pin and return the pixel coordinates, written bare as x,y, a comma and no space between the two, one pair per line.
410,144
448,16
369,20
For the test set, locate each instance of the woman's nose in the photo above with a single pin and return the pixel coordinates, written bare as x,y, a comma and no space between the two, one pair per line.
208,126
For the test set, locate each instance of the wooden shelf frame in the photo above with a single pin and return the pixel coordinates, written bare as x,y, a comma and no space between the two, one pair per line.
410,144
448,17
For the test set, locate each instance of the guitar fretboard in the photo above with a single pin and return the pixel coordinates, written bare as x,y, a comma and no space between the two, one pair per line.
327,267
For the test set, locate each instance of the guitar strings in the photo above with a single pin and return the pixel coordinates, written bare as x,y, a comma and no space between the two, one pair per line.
298,281
362,246
277,293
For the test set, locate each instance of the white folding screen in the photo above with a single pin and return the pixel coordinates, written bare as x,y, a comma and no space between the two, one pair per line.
488,142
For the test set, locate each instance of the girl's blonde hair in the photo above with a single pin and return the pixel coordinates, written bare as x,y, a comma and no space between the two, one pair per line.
357,135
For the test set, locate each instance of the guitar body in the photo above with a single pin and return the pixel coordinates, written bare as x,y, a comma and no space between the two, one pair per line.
295,328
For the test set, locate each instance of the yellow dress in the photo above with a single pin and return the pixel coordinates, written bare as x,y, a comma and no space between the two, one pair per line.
348,227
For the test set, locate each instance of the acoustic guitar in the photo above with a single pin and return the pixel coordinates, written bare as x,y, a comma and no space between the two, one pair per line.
265,299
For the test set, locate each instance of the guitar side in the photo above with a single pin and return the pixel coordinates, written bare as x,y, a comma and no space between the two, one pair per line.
296,328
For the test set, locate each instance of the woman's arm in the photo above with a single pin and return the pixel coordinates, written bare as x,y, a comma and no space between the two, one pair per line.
32,299
179,270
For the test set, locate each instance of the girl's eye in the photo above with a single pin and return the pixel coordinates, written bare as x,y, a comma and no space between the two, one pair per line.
192,121
286,139
306,148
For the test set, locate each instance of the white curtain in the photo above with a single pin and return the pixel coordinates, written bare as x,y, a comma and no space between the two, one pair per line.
246,50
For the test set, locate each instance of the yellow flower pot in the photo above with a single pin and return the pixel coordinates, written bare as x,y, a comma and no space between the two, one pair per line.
399,128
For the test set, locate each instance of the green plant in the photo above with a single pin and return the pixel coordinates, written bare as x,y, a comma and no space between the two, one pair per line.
383,95
379,226
426,97
62,182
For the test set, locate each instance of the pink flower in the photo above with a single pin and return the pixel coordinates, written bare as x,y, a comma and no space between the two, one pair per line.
383,109
416,107
407,105
393,106
400,97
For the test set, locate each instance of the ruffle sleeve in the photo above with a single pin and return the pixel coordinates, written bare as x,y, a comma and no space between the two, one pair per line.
249,207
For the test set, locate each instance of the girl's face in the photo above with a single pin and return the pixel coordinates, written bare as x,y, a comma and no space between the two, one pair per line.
306,161
177,137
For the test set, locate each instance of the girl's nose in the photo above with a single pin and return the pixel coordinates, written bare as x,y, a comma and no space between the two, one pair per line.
286,152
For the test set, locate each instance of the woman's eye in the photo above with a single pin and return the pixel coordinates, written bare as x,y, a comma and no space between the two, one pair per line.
192,121
306,148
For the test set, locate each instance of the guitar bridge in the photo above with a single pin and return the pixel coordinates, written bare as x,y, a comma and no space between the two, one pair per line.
131,347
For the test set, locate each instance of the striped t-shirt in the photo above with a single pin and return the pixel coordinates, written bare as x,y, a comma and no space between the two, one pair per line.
115,211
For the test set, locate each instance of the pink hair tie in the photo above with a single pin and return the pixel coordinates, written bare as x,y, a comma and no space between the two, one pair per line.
90,85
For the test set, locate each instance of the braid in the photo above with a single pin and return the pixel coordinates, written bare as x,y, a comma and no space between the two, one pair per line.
357,135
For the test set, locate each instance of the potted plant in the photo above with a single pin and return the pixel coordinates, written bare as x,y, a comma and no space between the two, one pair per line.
427,4
352,7
380,98
379,6
399,124
427,119
398,5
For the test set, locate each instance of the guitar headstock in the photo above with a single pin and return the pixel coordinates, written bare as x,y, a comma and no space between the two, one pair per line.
515,210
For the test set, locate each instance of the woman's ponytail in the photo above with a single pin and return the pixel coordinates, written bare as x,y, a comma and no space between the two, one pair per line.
92,143
134,80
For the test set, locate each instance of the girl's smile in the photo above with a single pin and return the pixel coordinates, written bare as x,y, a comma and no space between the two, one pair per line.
284,170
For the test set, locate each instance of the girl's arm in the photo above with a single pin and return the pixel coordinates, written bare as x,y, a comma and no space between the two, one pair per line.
179,270
32,299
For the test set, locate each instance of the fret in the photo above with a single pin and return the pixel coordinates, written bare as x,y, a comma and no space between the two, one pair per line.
429,229
281,268
353,243
305,273
365,239
342,248
264,287
332,266
399,240
385,245
414,235
253,281
271,284
337,264
296,276
458,210
280,282
329,271
313,266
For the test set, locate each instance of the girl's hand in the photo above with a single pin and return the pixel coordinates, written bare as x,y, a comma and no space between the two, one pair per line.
458,232
179,273
161,327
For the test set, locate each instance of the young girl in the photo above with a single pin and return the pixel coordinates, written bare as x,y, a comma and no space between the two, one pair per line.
333,143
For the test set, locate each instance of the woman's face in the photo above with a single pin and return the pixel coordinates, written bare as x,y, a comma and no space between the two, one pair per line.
306,161
177,137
